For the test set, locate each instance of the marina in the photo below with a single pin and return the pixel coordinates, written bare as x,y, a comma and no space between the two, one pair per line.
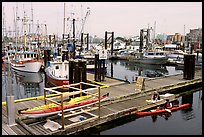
76,82
119,104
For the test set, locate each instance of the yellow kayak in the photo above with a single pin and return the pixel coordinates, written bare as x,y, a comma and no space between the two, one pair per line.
51,105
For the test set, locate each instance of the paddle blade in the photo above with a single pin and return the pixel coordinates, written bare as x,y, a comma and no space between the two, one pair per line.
168,110
153,110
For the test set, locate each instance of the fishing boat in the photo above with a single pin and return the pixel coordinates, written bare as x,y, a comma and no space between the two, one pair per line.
151,57
57,72
8,56
57,109
163,110
26,61
90,62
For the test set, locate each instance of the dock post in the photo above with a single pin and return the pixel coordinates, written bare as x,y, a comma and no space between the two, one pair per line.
96,67
71,67
10,110
112,43
99,103
106,35
189,67
141,40
83,75
10,105
111,69
87,41
103,69
46,57
76,71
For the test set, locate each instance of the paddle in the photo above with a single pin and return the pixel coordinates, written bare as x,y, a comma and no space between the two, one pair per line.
153,110
168,110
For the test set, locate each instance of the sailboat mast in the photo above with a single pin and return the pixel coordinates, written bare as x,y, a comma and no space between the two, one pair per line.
17,18
4,25
64,20
32,18
24,25
154,30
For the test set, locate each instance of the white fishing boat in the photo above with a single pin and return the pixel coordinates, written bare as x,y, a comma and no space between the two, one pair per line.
57,73
9,55
176,55
152,57
90,62
27,61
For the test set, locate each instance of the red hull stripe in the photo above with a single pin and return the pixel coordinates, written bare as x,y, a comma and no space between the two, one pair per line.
158,111
58,108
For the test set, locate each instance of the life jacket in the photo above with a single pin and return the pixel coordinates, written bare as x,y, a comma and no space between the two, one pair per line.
168,105
156,96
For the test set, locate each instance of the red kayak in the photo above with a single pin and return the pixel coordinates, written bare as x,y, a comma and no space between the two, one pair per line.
158,111
57,109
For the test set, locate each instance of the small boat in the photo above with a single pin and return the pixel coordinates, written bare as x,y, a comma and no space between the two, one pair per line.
8,56
90,61
26,61
159,111
152,57
57,109
51,105
57,73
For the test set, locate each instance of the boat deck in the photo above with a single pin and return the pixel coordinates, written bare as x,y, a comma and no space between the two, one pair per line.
123,100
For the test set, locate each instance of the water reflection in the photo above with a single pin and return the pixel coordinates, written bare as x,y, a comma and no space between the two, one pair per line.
188,113
23,84
145,70
187,122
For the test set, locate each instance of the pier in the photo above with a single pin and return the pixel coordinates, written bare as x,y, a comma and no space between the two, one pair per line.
125,98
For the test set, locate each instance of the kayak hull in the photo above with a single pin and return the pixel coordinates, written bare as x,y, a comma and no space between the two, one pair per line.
57,109
159,111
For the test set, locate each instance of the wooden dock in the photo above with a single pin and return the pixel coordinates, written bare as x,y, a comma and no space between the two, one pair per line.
124,99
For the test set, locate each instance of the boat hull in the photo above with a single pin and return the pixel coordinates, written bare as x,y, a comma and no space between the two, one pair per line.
152,60
159,111
55,81
57,109
32,66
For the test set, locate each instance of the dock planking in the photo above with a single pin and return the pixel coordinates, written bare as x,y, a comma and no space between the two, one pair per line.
123,100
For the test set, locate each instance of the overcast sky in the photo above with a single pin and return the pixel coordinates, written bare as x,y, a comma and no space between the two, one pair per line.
122,18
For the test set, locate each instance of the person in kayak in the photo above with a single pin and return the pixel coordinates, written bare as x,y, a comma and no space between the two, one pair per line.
155,96
168,104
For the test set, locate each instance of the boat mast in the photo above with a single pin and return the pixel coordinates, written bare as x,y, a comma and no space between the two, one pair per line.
16,25
64,20
184,35
32,18
64,26
154,30
24,26
4,27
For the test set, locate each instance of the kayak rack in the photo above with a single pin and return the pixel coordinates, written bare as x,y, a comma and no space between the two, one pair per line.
78,90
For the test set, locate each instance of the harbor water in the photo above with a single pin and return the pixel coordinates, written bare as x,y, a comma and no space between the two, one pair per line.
183,122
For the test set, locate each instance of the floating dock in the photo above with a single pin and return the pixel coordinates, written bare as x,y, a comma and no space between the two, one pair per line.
124,99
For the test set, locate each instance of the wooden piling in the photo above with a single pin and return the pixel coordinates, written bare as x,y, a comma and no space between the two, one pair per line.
189,66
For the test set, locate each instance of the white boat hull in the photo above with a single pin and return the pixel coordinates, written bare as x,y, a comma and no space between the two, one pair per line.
27,67
152,60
